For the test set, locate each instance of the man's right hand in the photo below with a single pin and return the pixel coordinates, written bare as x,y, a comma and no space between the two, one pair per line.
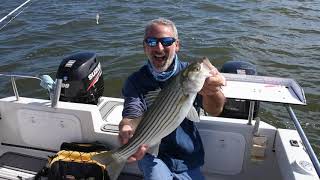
126,131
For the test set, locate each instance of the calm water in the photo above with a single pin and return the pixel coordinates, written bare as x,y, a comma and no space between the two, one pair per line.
282,38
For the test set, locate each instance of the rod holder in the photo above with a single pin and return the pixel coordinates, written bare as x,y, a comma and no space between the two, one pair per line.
14,87
56,93
251,111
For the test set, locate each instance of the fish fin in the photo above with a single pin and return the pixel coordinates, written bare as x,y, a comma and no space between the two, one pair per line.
151,96
113,164
193,115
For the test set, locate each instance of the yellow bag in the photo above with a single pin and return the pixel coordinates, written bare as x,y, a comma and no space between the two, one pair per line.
74,161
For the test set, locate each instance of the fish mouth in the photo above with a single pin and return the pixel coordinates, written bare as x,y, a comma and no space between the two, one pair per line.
206,65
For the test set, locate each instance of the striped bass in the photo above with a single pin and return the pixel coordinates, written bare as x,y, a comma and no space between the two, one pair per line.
168,109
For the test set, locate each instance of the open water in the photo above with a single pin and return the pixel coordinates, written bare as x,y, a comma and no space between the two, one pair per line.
282,38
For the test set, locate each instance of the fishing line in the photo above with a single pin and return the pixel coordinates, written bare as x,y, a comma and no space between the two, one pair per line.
5,17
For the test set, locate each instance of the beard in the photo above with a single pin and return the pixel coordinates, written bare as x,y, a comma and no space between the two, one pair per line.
161,64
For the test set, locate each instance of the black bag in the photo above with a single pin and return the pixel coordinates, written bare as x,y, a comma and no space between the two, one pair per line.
74,161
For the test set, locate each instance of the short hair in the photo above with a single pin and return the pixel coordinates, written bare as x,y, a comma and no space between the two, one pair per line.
162,21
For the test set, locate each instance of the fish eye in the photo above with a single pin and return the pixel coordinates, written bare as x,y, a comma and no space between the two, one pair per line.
197,68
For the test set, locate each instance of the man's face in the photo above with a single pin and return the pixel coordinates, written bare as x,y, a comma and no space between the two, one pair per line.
161,56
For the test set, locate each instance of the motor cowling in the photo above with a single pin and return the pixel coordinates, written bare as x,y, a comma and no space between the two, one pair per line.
238,108
82,79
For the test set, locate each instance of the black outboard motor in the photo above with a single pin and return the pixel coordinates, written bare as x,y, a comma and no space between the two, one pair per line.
82,80
237,108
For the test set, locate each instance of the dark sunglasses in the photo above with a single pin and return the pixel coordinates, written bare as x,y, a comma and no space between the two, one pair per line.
166,41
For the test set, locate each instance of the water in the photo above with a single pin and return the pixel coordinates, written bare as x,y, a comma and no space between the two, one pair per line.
282,38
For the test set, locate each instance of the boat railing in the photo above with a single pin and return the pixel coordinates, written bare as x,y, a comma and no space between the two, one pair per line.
304,139
54,92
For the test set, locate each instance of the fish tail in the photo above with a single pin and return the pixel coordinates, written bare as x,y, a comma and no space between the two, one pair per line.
114,165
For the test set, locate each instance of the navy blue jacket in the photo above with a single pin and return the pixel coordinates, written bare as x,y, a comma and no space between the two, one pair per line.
182,149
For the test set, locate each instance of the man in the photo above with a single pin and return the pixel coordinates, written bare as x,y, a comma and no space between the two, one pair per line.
181,153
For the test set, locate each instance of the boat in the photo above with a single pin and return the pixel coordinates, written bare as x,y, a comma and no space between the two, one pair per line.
31,129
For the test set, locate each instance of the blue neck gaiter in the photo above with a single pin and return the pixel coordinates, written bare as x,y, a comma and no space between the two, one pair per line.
163,76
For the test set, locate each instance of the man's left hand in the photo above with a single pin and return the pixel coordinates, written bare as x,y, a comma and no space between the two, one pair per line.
213,84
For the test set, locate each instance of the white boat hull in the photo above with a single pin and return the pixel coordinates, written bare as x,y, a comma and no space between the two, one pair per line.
32,127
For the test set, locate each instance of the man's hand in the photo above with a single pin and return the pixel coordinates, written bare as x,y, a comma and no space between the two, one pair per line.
142,150
126,131
213,84
213,98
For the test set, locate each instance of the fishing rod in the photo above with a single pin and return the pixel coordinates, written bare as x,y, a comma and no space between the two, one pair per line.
13,11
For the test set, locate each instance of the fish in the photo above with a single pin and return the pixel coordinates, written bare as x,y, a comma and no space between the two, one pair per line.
169,107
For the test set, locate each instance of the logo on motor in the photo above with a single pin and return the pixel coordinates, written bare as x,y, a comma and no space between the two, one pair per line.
96,71
63,85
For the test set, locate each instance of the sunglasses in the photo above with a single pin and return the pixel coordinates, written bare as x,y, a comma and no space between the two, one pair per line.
166,41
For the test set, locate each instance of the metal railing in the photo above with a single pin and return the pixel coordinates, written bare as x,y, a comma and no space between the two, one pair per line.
304,139
54,97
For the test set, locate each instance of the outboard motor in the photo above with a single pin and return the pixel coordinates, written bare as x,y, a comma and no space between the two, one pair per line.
237,108
82,80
